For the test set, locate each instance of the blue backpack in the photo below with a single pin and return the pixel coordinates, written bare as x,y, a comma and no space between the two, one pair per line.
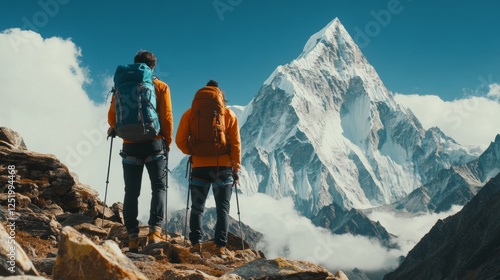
135,103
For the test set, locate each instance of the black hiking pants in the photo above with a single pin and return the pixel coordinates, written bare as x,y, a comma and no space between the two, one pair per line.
135,156
221,180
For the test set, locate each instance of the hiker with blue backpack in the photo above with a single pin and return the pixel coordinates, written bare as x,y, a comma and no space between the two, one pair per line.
141,114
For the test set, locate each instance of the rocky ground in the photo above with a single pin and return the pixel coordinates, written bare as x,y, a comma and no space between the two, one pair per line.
55,227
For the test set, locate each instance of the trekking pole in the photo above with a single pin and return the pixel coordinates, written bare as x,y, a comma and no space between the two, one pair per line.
187,202
186,218
166,198
239,218
107,181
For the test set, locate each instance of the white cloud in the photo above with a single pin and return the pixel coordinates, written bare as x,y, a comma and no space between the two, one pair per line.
287,233
470,121
494,91
408,229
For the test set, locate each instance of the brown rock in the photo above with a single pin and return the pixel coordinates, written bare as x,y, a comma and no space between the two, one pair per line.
73,219
13,259
25,277
79,258
117,208
45,265
106,224
184,274
45,180
11,139
53,209
20,201
38,224
116,232
91,230
339,275
108,212
174,252
281,268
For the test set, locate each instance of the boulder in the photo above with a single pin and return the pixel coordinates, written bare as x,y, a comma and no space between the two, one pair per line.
281,268
45,265
11,139
25,277
43,180
185,274
38,224
79,258
13,259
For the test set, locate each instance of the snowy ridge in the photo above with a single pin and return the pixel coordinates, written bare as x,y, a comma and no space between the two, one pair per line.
324,129
345,60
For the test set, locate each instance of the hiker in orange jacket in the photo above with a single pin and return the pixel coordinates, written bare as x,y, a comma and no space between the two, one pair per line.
154,155
220,172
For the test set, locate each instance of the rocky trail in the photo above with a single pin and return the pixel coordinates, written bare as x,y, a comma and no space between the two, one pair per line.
55,227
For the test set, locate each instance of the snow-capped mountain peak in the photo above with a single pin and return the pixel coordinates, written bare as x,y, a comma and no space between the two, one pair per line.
330,33
324,129
332,52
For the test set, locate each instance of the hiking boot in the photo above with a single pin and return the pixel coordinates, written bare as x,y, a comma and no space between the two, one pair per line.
155,235
220,250
133,243
196,248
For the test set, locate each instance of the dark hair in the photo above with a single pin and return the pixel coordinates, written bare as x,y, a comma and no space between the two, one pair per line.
146,57
213,83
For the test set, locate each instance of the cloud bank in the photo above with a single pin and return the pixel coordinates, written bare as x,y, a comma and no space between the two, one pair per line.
287,233
474,120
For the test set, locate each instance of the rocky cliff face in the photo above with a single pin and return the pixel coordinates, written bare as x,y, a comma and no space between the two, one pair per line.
340,221
54,227
463,246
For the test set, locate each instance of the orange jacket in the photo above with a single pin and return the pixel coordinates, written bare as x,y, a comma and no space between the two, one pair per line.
232,160
163,108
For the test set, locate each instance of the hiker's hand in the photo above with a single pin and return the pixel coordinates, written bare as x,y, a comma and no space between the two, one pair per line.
236,178
165,146
111,132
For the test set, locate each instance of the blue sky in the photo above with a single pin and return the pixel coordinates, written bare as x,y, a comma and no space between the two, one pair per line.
447,48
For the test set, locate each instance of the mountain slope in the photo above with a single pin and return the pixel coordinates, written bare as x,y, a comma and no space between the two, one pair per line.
454,185
463,246
324,129
340,221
